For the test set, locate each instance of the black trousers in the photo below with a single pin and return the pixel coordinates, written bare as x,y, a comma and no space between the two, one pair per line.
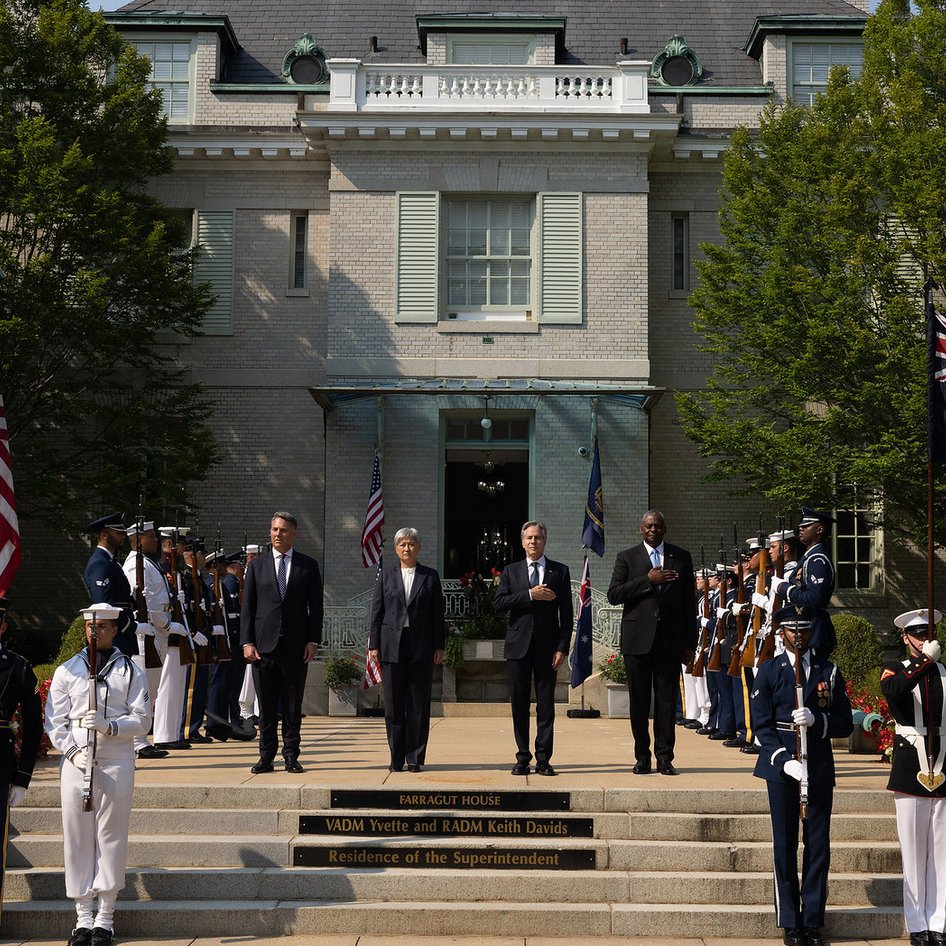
279,676
537,666
657,673
407,687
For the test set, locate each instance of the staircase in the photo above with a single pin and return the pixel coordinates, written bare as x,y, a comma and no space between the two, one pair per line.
270,860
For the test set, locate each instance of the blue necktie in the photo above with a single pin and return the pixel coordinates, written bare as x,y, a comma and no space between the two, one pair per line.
281,576
534,578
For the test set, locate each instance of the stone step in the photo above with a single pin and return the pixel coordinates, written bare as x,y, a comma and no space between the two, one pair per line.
180,821
289,884
430,918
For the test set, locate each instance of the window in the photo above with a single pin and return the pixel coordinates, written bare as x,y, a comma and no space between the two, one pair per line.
490,51
680,225
489,255
858,548
171,73
300,250
811,63
213,231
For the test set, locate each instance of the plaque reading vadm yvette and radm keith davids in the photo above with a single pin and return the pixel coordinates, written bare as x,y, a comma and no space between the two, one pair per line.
456,824
451,800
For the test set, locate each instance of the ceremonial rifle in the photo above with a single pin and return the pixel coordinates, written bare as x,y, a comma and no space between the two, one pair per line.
185,646
202,653
735,658
91,734
801,736
699,662
151,656
714,660
767,648
219,616
749,654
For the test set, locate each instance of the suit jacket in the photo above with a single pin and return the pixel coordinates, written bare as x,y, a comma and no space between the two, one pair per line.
772,702
549,623
297,618
674,606
390,611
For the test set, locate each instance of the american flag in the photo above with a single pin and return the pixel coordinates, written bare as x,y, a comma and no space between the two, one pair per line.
372,672
936,381
372,536
9,527
582,651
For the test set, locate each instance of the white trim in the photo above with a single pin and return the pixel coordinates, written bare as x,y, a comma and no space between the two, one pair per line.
813,41
155,39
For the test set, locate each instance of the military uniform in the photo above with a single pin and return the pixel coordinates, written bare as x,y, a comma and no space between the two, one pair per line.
772,704
915,689
107,584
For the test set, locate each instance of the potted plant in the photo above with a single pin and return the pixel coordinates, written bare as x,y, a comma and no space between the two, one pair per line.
614,673
342,675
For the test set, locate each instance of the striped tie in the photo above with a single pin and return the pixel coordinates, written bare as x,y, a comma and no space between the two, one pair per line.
281,576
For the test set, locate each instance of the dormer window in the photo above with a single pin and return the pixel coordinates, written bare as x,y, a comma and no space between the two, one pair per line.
811,63
490,51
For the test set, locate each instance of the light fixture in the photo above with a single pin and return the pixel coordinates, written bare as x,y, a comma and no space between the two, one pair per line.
486,423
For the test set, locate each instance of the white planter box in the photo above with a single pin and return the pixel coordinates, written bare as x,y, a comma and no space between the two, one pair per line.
344,702
619,701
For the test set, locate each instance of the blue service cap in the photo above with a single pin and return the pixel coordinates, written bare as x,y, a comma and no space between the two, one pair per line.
114,520
810,516
792,617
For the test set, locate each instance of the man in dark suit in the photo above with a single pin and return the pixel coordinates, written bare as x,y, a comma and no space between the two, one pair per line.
407,635
656,584
537,593
106,581
280,630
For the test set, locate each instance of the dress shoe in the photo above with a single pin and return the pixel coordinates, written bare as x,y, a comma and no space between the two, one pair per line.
719,736
666,768
396,768
543,768
736,743
151,752
707,731
693,724
920,939
201,738
520,768
679,720
218,731
180,744
813,937
750,749
80,937
292,765
101,936
936,939
262,766
641,768
793,937
413,767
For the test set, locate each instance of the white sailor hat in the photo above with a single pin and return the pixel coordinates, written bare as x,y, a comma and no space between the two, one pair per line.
754,544
168,532
782,536
705,572
252,549
918,618
101,612
133,528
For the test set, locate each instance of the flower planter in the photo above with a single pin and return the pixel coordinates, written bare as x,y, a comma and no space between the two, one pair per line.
343,702
619,701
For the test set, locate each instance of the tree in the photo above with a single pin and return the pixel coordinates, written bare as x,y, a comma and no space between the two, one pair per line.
93,269
832,217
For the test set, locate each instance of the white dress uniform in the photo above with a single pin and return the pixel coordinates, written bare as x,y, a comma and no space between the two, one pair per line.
96,841
167,684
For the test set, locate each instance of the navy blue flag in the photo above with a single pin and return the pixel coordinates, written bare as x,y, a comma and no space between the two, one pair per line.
936,379
581,652
592,532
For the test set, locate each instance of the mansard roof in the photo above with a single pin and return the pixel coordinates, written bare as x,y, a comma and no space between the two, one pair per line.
716,31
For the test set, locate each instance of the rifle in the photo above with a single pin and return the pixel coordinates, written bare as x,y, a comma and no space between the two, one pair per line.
219,617
203,653
699,662
184,646
735,658
767,650
91,734
242,574
749,653
151,656
714,662
801,737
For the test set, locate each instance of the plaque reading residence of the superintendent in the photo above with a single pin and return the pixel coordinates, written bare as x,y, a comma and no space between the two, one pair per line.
396,825
456,858
454,800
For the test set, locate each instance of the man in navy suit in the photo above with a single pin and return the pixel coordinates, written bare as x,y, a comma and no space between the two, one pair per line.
407,635
776,721
106,581
280,630
537,593
656,584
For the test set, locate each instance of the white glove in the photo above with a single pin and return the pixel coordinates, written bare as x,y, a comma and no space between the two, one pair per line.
219,630
803,717
778,586
792,769
736,607
95,719
200,639
722,613
704,623
175,628
17,794
933,650
80,759
182,599
145,629
760,600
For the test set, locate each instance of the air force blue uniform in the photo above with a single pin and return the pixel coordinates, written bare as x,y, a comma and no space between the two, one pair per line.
811,585
107,584
771,706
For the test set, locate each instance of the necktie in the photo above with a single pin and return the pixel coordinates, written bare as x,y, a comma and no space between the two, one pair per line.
655,558
281,576
534,578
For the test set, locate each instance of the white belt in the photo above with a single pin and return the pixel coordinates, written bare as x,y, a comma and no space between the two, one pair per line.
907,731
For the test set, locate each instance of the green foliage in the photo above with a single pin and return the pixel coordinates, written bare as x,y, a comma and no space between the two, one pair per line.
613,669
812,304
858,654
72,641
453,651
481,622
93,270
342,672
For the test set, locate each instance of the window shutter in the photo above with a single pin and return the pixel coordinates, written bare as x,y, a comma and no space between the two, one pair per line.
418,257
560,258
213,231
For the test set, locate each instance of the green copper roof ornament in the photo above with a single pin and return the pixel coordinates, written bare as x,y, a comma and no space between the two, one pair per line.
676,64
304,64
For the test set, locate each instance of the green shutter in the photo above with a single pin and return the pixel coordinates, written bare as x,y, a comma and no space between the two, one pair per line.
418,257
560,258
213,231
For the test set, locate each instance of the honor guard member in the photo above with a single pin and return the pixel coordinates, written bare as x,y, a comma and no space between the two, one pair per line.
198,608
249,705
701,698
158,602
724,628
230,589
781,544
95,840
711,725
18,691
753,601
776,722
915,689
810,584
106,582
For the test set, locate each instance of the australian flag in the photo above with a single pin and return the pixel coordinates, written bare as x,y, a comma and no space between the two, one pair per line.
581,652
592,532
936,377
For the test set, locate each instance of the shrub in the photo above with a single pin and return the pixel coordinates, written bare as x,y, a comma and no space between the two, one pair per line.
859,653
342,672
613,669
